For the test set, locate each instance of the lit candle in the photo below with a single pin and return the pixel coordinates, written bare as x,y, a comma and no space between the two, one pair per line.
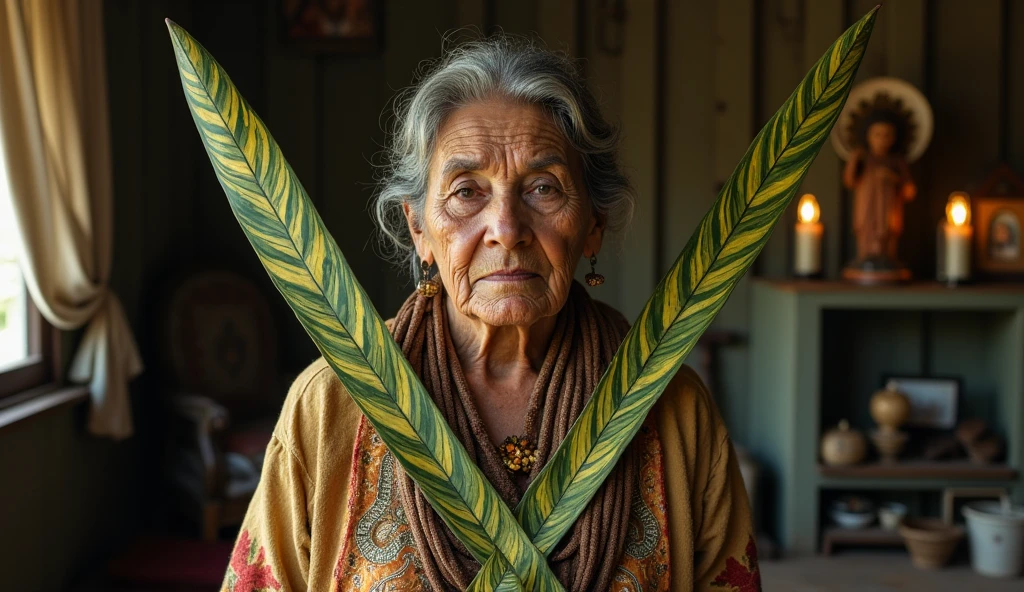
955,234
807,247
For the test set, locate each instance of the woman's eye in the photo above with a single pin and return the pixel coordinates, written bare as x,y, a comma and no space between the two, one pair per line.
464,192
544,190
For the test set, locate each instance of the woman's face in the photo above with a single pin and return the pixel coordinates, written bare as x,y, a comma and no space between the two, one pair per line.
506,217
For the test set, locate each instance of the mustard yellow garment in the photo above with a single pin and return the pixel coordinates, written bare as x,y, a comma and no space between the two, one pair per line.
293,533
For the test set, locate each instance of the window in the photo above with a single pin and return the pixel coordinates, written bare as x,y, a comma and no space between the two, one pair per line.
24,340
13,300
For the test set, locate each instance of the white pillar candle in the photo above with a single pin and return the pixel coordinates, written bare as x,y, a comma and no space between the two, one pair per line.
807,248
955,234
957,264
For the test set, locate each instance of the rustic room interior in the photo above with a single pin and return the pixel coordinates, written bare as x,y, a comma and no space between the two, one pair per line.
869,411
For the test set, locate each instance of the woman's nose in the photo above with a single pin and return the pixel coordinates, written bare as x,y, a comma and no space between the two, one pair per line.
508,223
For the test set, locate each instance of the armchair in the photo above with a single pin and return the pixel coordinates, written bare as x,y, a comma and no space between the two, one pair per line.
217,347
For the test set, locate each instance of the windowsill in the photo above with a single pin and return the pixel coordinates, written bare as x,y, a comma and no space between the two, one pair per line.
39,400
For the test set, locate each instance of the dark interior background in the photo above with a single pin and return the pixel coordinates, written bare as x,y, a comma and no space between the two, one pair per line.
691,85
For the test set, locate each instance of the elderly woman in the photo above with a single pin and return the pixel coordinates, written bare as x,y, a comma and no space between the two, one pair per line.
502,176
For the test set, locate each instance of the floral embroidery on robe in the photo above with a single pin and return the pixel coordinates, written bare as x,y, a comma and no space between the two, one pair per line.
743,576
379,552
248,572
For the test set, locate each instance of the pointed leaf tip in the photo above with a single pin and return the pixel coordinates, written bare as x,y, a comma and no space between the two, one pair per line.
176,31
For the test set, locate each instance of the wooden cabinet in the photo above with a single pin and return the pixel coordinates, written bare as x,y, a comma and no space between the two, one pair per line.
820,349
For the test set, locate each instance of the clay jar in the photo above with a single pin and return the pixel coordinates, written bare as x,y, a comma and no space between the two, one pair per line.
843,446
890,408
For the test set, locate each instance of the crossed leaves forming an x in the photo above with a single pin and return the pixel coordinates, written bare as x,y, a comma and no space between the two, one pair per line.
310,271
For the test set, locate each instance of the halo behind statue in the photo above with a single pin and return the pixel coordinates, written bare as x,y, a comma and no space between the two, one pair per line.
896,101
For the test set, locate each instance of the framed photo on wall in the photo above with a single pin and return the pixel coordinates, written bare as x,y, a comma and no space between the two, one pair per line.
954,499
934,401
999,226
349,27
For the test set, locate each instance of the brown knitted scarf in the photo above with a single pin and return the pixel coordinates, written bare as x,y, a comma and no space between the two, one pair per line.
585,338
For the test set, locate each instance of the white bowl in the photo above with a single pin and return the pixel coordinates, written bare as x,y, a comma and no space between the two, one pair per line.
852,519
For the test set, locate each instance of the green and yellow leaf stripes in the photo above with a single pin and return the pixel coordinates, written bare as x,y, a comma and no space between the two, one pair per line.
686,301
307,267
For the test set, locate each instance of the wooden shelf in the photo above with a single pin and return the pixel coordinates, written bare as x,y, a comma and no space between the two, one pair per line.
819,349
835,536
953,470
917,287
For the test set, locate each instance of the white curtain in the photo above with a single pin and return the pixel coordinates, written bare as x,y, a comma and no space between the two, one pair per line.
54,128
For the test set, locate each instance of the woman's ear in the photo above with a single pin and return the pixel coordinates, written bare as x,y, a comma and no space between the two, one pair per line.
416,232
592,243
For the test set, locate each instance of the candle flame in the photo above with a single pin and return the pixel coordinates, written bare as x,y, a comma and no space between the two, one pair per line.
808,211
958,209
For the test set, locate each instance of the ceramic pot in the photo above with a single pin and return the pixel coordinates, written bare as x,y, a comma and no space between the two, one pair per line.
931,542
843,446
890,408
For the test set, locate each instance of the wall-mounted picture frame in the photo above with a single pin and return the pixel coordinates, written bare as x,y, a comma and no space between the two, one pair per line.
954,499
999,226
347,27
934,401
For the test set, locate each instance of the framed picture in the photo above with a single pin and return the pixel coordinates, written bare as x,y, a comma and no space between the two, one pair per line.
999,224
954,499
350,27
934,401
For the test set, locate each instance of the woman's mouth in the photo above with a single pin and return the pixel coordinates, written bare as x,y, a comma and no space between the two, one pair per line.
510,275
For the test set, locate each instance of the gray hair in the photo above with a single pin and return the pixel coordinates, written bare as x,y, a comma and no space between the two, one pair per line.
500,66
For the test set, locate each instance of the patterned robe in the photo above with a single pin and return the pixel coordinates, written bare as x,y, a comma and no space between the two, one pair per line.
326,515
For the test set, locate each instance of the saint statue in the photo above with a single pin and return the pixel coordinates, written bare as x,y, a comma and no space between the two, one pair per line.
880,135
880,180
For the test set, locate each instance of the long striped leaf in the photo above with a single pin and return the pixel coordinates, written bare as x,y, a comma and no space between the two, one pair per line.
308,268
686,301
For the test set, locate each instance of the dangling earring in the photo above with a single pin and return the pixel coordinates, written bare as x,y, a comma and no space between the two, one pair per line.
593,278
428,287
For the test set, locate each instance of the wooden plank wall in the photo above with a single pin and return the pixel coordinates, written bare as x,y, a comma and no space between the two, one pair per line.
692,84
961,55
1014,80
326,111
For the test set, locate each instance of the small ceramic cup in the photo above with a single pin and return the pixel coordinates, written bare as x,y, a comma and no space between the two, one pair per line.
891,515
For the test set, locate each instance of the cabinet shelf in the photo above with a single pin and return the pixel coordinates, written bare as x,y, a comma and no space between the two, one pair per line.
963,293
818,352
951,470
835,536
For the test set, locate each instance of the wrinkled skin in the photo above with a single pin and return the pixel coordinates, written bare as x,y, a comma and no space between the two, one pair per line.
506,221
